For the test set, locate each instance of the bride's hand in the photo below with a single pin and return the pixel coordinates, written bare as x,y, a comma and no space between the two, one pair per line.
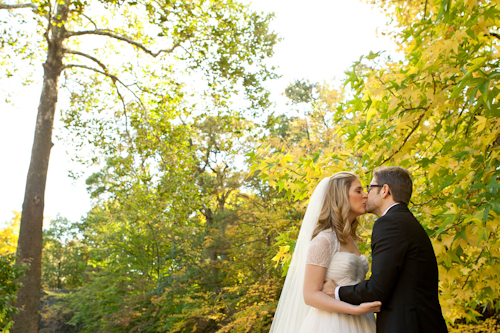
329,287
369,307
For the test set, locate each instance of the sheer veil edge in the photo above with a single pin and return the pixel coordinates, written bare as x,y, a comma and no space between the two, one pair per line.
292,310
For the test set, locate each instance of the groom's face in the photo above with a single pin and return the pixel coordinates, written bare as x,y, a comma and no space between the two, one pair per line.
374,198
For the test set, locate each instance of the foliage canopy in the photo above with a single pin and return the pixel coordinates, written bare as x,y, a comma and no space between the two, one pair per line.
184,236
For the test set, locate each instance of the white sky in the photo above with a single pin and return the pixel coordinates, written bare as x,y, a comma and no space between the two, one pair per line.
321,39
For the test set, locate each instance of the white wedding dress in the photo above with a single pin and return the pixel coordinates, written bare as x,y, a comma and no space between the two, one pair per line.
345,269
292,314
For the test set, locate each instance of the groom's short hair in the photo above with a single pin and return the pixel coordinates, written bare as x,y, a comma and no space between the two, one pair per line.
399,181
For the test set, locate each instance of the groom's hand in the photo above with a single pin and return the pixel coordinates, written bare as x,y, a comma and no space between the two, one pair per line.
329,287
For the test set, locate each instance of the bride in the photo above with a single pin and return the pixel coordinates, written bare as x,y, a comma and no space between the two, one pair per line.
326,248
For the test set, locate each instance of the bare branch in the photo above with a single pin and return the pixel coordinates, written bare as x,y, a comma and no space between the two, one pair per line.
128,40
495,35
477,260
49,24
113,78
423,203
408,136
19,6
88,57
88,18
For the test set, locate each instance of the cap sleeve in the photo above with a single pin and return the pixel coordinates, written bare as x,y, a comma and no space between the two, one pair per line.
322,248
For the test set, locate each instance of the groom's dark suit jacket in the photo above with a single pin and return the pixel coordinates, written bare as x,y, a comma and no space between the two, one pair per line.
404,276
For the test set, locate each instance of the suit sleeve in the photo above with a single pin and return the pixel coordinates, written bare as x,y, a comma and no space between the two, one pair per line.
389,246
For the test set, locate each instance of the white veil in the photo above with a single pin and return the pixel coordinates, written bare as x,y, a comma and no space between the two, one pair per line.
292,310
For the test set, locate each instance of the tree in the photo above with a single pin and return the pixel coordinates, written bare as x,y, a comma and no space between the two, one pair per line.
180,245
64,259
295,152
9,273
436,113
217,39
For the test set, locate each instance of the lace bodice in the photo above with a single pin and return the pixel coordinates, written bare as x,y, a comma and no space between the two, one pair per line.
322,248
344,268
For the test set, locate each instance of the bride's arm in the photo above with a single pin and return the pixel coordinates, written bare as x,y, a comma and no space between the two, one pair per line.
313,296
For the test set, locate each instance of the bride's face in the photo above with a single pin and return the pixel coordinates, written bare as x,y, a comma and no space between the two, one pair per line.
357,199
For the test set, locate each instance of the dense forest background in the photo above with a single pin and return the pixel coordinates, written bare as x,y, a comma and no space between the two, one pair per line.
201,187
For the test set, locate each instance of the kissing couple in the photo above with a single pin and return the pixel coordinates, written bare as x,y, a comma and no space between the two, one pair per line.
325,290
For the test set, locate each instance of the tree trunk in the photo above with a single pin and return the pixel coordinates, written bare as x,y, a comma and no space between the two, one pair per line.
29,248
59,281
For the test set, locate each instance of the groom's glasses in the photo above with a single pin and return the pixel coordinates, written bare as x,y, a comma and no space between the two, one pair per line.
369,187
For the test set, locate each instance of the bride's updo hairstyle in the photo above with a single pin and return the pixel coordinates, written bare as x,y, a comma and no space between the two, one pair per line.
336,208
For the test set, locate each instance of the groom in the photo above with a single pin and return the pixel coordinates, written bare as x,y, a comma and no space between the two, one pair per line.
404,269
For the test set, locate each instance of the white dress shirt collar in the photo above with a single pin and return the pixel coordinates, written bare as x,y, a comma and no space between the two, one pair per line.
397,203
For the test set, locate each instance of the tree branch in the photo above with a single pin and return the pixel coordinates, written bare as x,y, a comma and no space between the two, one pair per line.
495,35
128,40
106,73
88,18
113,78
49,24
19,6
88,57
477,260
423,203
407,137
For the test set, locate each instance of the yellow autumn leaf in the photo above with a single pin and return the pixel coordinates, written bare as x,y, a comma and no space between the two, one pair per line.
481,123
371,112
9,235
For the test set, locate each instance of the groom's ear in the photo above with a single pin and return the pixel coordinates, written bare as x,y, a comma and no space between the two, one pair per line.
386,191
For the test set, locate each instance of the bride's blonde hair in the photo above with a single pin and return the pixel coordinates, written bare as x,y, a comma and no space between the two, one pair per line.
335,211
